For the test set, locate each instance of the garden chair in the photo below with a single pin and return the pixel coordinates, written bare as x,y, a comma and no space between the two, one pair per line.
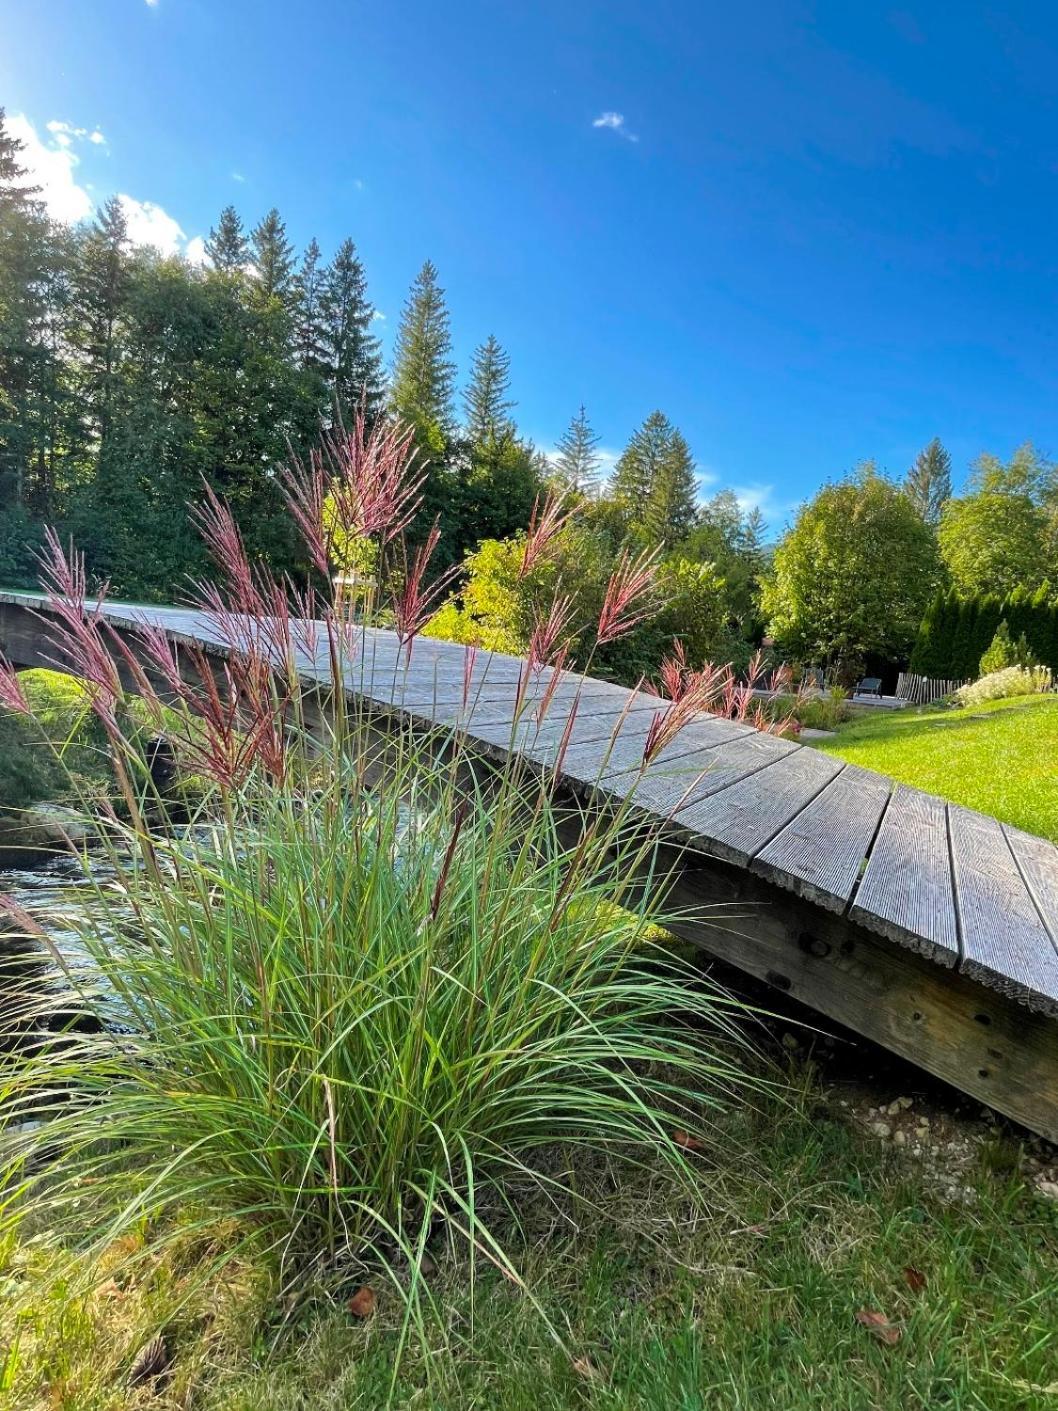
869,686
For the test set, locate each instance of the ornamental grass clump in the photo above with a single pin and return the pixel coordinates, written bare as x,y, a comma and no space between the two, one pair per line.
375,984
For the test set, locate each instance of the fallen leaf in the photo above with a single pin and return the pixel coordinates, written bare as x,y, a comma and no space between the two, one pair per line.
878,1324
586,1368
914,1278
687,1142
150,1362
362,1303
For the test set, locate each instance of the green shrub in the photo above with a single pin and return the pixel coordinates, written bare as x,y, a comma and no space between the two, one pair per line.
814,712
1000,654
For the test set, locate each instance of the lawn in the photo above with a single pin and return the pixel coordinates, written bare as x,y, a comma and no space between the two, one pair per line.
998,757
814,1227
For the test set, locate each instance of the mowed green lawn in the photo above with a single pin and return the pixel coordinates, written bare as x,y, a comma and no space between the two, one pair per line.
1000,758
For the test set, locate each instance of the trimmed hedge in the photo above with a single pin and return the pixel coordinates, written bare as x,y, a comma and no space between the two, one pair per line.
956,632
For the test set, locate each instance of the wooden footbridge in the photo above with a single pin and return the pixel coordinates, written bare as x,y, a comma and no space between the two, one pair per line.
925,926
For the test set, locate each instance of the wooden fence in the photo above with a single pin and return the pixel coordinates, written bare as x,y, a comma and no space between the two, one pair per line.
923,690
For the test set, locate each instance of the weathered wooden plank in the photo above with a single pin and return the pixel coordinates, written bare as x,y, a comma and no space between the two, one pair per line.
1004,941
906,892
820,853
671,792
622,766
597,721
736,822
1038,860
982,1042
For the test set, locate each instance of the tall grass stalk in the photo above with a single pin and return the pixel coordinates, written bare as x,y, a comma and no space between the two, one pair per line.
376,983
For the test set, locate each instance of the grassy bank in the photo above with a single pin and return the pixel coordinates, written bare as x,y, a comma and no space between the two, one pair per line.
997,757
754,1306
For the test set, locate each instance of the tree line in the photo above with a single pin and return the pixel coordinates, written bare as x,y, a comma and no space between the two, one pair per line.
853,577
128,378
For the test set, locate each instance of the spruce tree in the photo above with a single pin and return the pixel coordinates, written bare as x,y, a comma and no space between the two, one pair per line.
929,481
310,347
102,289
655,484
577,463
639,465
272,258
423,371
354,354
29,365
227,246
670,510
487,405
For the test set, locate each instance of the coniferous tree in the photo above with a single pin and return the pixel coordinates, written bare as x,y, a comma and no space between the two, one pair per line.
577,463
929,481
639,465
310,346
30,371
354,354
655,484
272,258
423,371
102,284
488,407
671,505
227,247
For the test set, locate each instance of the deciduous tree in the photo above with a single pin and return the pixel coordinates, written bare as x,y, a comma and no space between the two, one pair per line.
853,575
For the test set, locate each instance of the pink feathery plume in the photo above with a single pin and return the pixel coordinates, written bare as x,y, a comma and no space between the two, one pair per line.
216,524
372,478
470,656
77,629
629,596
550,633
418,600
545,523
305,491
12,696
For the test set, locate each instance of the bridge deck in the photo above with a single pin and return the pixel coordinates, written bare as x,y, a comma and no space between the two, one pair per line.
974,897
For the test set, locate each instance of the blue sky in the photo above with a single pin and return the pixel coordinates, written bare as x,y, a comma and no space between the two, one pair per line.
810,232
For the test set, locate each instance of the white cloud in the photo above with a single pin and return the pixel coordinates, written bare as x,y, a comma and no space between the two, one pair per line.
150,224
51,164
379,315
152,4
237,176
616,123
51,167
64,134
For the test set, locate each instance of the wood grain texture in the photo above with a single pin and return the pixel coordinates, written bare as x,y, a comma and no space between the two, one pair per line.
981,1041
1004,940
1038,861
622,769
672,793
736,822
822,850
906,892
